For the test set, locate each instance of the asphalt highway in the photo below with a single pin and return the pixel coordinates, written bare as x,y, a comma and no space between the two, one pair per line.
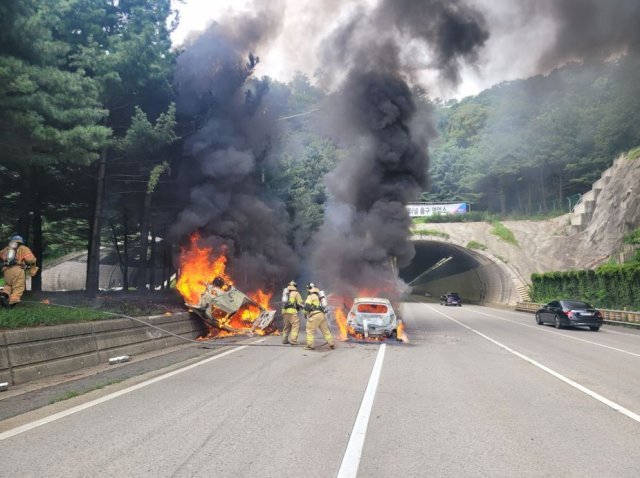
476,392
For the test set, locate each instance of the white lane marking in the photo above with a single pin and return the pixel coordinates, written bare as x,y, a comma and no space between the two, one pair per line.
615,406
351,459
543,329
56,416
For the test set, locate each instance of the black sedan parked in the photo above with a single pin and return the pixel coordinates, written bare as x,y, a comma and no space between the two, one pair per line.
569,313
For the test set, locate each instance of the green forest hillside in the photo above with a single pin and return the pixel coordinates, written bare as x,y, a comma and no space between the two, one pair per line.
526,146
96,150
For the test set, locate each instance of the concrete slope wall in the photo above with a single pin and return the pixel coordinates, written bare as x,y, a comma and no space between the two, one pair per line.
29,354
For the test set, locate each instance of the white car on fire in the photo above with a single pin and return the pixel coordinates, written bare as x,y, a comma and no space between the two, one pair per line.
372,317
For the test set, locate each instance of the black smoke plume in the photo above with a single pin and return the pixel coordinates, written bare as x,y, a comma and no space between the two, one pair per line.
591,29
227,150
372,57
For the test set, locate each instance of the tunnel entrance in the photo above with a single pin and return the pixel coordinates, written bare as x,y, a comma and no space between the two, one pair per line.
439,267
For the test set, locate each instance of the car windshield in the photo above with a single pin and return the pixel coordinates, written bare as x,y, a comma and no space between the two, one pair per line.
453,294
372,308
574,304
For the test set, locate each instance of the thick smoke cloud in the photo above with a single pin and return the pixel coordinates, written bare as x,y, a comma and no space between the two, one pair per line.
225,154
371,59
591,29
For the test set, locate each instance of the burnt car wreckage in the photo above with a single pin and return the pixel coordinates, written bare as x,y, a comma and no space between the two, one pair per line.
373,317
229,309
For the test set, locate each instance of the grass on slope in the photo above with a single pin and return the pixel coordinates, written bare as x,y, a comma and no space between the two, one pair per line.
503,233
53,308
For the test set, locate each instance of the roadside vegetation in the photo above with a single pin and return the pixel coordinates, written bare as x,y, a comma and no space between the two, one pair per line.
476,245
515,151
610,286
39,309
504,233
484,216
432,232
76,393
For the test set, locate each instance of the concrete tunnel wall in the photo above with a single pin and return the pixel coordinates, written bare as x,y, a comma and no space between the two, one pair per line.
475,275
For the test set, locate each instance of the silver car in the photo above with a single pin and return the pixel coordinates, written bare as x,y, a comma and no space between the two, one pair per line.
372,317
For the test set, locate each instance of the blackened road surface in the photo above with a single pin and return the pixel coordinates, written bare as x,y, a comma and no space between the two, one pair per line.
477,392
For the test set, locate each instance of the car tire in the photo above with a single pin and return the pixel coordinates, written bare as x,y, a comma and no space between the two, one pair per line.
595,328
539,319
459,305
556,322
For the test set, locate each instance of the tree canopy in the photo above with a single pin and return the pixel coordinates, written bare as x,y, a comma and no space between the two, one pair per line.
91,141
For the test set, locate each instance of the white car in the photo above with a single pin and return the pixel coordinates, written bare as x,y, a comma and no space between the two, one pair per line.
372,317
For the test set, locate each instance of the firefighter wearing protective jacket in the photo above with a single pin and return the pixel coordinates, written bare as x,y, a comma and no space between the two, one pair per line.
290,308
16,260
316,318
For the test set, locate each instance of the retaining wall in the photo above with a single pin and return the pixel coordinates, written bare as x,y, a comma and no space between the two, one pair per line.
613,316
38,352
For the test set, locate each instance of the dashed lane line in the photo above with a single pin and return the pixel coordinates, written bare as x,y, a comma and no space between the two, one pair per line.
353,453
542,329
615,406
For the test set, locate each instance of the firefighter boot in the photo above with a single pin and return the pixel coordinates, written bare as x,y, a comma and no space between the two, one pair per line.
4,299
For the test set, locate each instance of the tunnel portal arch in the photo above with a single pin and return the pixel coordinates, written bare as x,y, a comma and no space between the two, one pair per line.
440,266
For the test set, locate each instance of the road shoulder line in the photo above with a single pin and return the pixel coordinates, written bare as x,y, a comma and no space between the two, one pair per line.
615,406
56,416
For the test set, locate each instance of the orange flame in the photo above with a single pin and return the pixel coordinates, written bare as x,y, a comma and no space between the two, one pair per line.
341,318
197,268
341,321
401,334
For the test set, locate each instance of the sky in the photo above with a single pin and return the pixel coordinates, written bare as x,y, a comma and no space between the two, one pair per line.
524,38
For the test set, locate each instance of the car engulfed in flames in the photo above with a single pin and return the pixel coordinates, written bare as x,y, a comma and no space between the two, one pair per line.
209,292
370,319
233,311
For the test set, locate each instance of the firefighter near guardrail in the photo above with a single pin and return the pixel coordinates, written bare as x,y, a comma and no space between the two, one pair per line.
17,261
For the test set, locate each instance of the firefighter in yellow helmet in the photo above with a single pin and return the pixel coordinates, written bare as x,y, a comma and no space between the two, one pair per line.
316,318
16,260
291,304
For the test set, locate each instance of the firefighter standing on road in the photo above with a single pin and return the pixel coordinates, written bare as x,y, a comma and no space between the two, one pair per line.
316,318
291,304
16,260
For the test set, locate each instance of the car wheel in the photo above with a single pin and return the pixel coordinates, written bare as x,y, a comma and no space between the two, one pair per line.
595,328
459,305
556,322
538,319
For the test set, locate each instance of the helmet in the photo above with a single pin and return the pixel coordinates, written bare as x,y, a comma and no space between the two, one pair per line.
218,282
312,288
293,283
17,238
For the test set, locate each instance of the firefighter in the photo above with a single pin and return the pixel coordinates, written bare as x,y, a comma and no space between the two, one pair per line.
291,304
16,260
316,318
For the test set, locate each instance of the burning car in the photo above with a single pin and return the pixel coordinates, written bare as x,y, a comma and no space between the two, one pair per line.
224,307
373,317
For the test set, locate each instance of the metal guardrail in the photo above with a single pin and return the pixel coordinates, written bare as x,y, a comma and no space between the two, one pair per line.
627,317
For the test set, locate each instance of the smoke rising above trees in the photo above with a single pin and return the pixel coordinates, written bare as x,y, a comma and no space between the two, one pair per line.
230,144
370,59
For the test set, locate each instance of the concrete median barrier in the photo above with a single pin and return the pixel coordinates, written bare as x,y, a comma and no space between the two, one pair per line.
38,352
